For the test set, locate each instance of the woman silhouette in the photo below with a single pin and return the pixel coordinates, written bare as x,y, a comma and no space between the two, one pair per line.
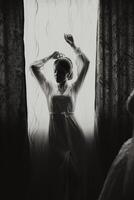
66,143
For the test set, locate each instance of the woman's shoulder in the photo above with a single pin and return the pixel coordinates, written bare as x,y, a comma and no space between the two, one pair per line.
50,87
130,103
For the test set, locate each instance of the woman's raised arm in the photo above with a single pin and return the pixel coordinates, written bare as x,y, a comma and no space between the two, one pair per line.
80,60
36,69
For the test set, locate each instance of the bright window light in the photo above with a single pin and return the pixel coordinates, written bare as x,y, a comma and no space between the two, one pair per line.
46,21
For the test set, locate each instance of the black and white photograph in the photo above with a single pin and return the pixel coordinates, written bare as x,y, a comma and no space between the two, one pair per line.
66,99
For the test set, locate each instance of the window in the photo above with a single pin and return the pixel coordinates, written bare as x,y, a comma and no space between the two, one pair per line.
45,24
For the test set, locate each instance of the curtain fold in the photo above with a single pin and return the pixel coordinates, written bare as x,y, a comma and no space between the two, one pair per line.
114,76
14,145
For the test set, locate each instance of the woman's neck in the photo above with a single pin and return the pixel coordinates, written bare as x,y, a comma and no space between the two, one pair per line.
62,86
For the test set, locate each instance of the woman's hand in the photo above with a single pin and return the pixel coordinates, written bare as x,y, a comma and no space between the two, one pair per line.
57,55
69,39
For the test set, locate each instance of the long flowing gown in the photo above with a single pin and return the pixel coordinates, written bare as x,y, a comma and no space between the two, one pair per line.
120,179
66,149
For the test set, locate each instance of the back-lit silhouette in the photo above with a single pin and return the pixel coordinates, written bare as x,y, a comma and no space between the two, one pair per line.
66,164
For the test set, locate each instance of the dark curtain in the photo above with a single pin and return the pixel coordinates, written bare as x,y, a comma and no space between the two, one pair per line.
114,76
14,147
